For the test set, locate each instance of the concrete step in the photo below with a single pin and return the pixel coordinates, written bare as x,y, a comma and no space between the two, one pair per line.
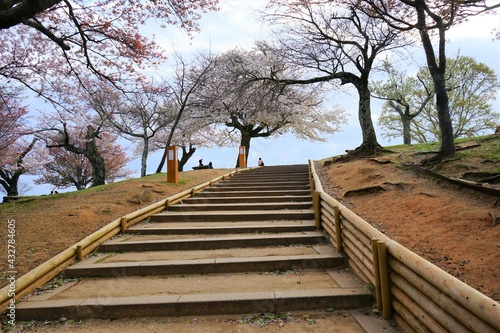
246,193
244,182
217,216
271,184
189,207
279,169
261,188
255,174
172,228
203,266
278,291
224,200
269,179
210,243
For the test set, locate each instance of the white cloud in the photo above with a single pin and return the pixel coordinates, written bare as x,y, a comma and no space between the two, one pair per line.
479,27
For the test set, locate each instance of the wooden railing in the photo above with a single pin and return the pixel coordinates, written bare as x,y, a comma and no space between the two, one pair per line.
51,268
420,296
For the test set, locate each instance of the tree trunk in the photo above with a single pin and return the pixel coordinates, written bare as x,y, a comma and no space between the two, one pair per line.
186,155
437,69
13,184
169,139
162,161
370,144
96,160
406,120
445,124
144,156
10,180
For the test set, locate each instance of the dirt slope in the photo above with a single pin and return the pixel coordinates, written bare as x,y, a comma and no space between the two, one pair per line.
449,225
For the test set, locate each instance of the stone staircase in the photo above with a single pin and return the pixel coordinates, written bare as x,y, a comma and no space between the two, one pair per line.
246,245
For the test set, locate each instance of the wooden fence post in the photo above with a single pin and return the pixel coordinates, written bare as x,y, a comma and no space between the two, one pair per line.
79,253
338,229
123,224
384,280
376,274
317,208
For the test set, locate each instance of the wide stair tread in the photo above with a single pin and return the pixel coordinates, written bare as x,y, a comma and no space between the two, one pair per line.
248,199
244,215
207,294
209,242
220,259
252,193
227,227
241,206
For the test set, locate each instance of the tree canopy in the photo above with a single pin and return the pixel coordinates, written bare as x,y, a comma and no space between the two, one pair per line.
471,87
430,18
260,108
43,41
329,41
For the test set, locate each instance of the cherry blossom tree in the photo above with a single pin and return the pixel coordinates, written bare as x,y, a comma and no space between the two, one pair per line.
261,108
137,114
81,139
64,168
14,144
12,120
13,167
190,76
56,42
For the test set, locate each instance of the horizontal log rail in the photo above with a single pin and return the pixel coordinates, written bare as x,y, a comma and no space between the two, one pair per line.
42,274
420,296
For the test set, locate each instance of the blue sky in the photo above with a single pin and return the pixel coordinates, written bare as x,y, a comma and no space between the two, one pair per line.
236,25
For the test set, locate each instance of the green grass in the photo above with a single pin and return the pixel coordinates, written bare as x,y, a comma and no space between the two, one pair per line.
419,147
486,151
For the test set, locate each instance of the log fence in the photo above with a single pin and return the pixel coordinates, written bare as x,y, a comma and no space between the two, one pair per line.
417,294
48,270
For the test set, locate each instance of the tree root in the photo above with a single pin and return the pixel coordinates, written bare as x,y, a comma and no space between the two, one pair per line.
363,151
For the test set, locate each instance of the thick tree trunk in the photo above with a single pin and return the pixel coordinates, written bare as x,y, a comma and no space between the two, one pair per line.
186,155
96,160
13,190
445,124
437,69
370,144
10,182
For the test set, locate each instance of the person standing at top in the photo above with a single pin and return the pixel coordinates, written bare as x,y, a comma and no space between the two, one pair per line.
260,162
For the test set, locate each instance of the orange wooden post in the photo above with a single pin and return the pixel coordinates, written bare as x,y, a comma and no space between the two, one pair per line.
172,165
242,159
